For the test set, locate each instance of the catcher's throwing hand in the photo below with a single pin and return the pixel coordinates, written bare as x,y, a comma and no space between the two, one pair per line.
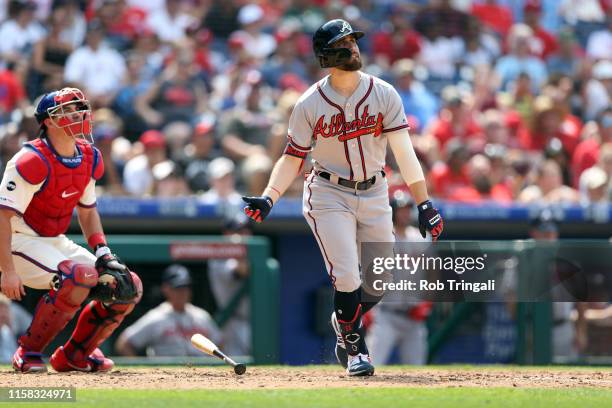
115,283
430,220
11,285
258,208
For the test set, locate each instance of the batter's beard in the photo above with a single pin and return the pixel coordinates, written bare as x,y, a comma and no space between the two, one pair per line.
351,65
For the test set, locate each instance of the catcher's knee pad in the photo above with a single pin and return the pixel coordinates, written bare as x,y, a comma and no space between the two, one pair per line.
55,309
73,283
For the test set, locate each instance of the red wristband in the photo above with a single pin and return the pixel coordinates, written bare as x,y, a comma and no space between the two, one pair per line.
96,239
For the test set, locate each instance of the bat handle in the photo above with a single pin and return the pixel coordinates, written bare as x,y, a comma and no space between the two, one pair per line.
222,356
238,368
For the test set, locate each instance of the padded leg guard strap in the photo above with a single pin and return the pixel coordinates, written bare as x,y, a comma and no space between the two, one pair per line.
96,323
55,309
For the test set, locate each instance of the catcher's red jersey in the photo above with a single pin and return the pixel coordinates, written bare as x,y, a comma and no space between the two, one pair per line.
65,180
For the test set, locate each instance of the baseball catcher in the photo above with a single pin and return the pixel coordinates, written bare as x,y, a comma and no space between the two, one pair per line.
42,185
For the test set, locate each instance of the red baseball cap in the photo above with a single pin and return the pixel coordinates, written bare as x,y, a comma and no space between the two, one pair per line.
292,81
532,5
203,128
236,40
152,139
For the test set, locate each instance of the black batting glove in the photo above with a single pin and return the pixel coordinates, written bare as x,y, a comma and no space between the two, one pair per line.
430,220
107,260
257,208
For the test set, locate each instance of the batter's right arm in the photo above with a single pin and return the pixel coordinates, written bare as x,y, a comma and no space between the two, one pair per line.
299,140
283,174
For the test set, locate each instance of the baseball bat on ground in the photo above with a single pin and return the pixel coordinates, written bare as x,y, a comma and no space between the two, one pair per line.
204,344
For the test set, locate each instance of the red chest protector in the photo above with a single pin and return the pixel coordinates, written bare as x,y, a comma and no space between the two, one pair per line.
50,211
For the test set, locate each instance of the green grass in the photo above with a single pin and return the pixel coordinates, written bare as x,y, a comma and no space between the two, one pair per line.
333,397
354,397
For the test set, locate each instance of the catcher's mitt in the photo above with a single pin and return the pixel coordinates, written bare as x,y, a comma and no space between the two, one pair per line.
115,283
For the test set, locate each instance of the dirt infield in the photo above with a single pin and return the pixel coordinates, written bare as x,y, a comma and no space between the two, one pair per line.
315,377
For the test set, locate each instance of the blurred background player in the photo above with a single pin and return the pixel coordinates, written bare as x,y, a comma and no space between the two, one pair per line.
228,278
569,330
569,336
166,330
14,321
399,323
42,185
8,338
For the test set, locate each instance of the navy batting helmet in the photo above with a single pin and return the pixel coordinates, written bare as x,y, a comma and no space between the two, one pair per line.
328,34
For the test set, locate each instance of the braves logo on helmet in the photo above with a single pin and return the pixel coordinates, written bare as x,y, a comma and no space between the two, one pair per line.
346,27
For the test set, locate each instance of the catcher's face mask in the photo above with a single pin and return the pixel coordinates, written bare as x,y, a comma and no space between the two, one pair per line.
72,113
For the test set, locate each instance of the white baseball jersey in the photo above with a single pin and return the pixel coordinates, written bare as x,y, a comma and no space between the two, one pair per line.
347,136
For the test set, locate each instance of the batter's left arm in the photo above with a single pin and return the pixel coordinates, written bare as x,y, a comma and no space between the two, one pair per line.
394,120
412,173
409,165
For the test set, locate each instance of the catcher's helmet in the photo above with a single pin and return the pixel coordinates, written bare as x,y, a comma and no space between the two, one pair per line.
328,34
54,105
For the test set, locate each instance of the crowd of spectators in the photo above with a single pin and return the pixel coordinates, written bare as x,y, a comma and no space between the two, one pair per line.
508,100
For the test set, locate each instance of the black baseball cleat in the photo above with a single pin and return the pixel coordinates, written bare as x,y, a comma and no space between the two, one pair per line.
360,366
341,354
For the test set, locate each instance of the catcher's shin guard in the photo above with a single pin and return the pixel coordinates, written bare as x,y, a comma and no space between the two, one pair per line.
96,323
55,309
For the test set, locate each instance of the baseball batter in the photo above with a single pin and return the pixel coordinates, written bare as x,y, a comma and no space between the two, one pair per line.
345,121
42,185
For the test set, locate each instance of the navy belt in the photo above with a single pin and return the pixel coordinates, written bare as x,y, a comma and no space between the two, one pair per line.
352,184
